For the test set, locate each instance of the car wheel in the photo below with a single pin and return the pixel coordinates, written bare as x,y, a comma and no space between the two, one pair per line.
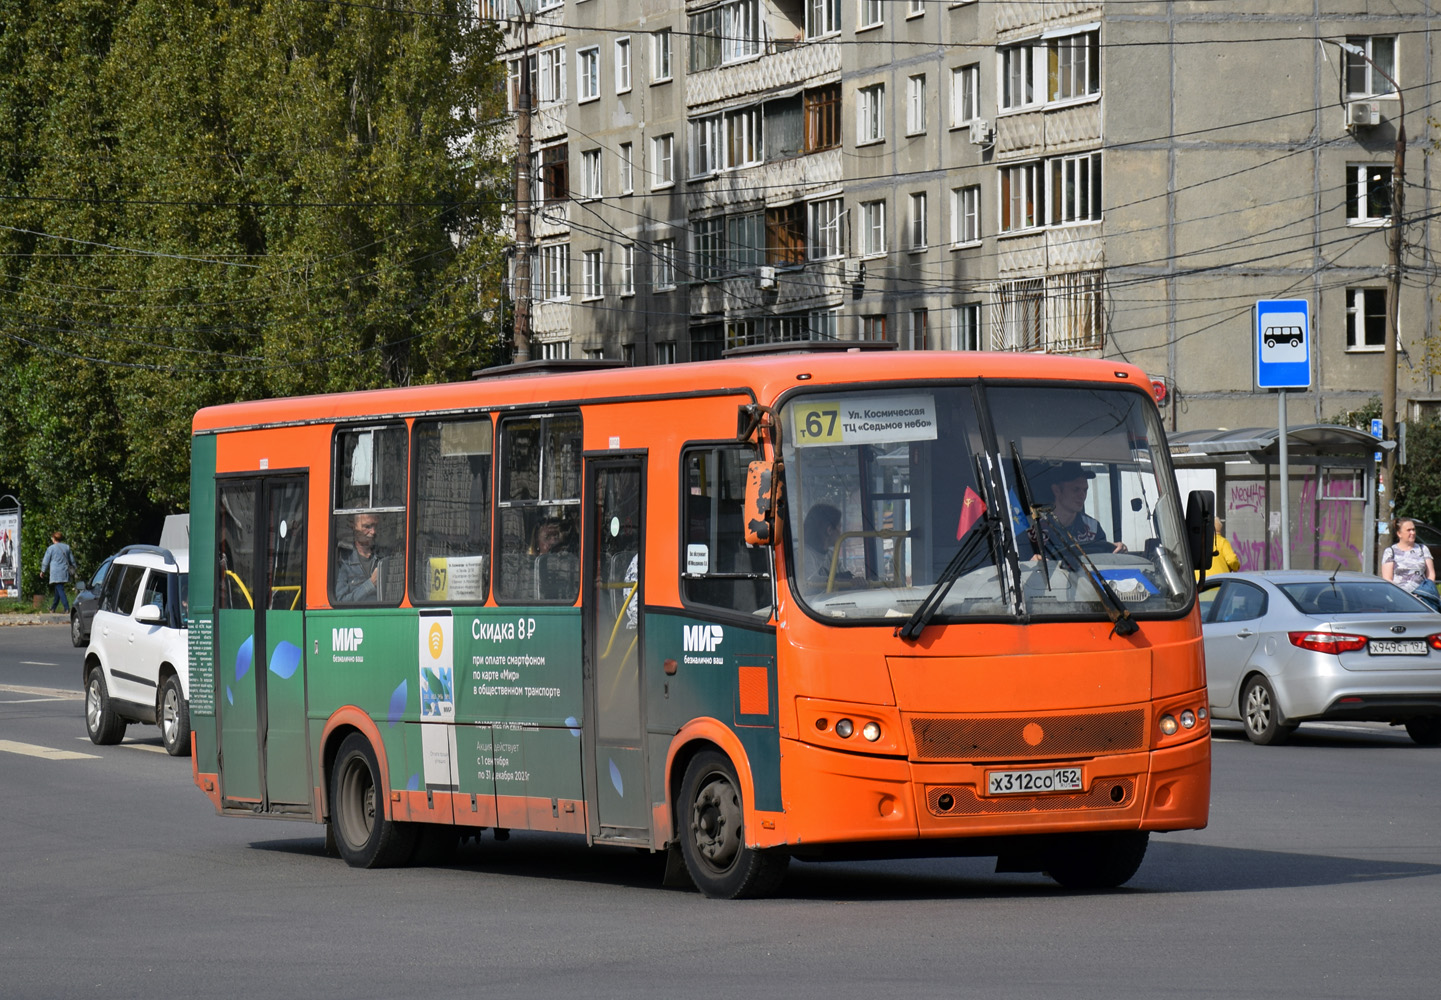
363,835
1097,860
712,834
1261,713
1426,731
174,717
77,634
104,726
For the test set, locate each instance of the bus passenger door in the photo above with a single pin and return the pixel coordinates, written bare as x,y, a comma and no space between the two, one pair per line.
260,644
617,798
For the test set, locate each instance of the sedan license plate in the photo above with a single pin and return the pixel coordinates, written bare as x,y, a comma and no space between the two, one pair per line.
1056,779
1397,647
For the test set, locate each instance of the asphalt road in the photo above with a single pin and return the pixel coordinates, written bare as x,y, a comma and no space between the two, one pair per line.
1319,876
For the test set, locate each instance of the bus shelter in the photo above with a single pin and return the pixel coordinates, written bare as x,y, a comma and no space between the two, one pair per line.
1332,477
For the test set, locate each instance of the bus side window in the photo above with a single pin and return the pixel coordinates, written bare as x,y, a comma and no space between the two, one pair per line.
538,507
718,567
368,515
451,546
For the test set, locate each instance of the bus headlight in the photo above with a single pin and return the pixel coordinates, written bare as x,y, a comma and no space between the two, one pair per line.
1188,719
871,731
844,728
1168,724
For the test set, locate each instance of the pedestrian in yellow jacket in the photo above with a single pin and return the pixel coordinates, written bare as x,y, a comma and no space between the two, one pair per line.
1223,557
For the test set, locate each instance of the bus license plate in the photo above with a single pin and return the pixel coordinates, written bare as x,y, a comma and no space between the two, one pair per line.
1397,647
1057,779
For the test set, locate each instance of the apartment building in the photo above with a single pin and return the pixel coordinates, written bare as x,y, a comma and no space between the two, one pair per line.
1122,179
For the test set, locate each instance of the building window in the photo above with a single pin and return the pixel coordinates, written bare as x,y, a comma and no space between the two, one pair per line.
1018,77
622,65
705,342
724,35
966,326
662,154
705,145
590,173
917,330
664,264
627,169
823,17
873,327
743,137
627,355
965,95
741,333
591,268
871,14
1076,189
746,241
555,350
555,173
550,273
1365,319
916,104
870,114
1368,193
548,4
709,237
966,214
627,269
587,65
1363,78
1021,197
660,70
1020,315
873,228
550,63
1075,323
916,9
823,117
825,229
1073,66
918,230
665,352
786,234
823,324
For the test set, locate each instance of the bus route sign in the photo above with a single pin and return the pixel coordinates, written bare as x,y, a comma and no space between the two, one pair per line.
1283,344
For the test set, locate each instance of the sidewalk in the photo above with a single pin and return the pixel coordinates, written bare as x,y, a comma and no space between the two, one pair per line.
35,618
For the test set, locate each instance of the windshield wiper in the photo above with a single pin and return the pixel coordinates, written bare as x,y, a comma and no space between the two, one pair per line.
973,512
1033,529
1121,621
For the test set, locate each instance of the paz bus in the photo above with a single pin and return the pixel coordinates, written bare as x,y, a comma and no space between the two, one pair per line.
790,604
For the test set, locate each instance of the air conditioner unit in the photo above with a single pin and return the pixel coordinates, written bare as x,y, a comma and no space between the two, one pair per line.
766,277
1363,113
980,132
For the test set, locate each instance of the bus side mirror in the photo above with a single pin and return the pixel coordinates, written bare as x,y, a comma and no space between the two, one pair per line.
761,497
1201,528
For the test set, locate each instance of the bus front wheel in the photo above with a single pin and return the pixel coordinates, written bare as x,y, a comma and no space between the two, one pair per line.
1097,860
712,834
363,835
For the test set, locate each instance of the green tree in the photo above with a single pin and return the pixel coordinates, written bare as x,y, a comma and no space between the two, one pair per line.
214,200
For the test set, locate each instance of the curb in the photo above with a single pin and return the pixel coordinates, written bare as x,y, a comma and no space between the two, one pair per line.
41,619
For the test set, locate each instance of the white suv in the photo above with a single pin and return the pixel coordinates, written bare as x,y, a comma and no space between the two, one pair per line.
137,668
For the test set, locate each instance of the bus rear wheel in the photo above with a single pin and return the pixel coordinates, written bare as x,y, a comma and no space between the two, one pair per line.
712,834
1097,860
363,835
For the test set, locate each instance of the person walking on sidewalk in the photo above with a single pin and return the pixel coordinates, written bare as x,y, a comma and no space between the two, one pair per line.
59,563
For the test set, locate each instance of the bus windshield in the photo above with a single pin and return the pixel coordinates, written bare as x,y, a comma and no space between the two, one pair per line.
996,501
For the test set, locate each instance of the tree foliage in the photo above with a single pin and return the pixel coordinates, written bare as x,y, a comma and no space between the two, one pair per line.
211,200
1418,482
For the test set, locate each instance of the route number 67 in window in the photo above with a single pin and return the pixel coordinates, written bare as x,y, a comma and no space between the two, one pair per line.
818,423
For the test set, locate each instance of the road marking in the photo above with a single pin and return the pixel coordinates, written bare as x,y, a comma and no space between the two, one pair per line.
56,693
46,753
37,663
134,746
27,701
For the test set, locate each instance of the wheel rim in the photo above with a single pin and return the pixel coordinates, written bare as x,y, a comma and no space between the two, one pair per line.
716,822
75,629
92,705
170,715
356,808
1258,709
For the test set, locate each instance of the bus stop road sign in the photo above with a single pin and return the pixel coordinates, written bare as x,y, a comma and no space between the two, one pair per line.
1283,344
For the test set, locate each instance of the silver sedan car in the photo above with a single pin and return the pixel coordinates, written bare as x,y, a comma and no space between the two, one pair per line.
1290,646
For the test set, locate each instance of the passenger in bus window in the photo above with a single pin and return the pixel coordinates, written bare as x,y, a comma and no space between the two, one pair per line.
357,565
554,534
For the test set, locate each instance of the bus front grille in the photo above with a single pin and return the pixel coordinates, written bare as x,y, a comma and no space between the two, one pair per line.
962,800
1034,737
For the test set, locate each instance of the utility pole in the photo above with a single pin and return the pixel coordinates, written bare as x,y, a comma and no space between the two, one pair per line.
523,184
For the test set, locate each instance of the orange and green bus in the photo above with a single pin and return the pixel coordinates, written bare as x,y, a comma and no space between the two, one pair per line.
792,604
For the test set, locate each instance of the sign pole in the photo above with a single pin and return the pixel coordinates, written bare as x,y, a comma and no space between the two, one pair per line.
1285,480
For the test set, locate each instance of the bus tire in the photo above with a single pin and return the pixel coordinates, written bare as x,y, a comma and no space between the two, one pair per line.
363,834
104,726
173,715
1097,860
712,834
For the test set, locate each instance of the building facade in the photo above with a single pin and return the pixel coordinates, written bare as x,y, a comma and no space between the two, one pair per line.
1121,180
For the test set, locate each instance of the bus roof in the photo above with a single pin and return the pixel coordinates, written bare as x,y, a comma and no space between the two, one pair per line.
764,377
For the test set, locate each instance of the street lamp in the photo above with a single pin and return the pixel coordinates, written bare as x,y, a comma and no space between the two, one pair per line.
1393,271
